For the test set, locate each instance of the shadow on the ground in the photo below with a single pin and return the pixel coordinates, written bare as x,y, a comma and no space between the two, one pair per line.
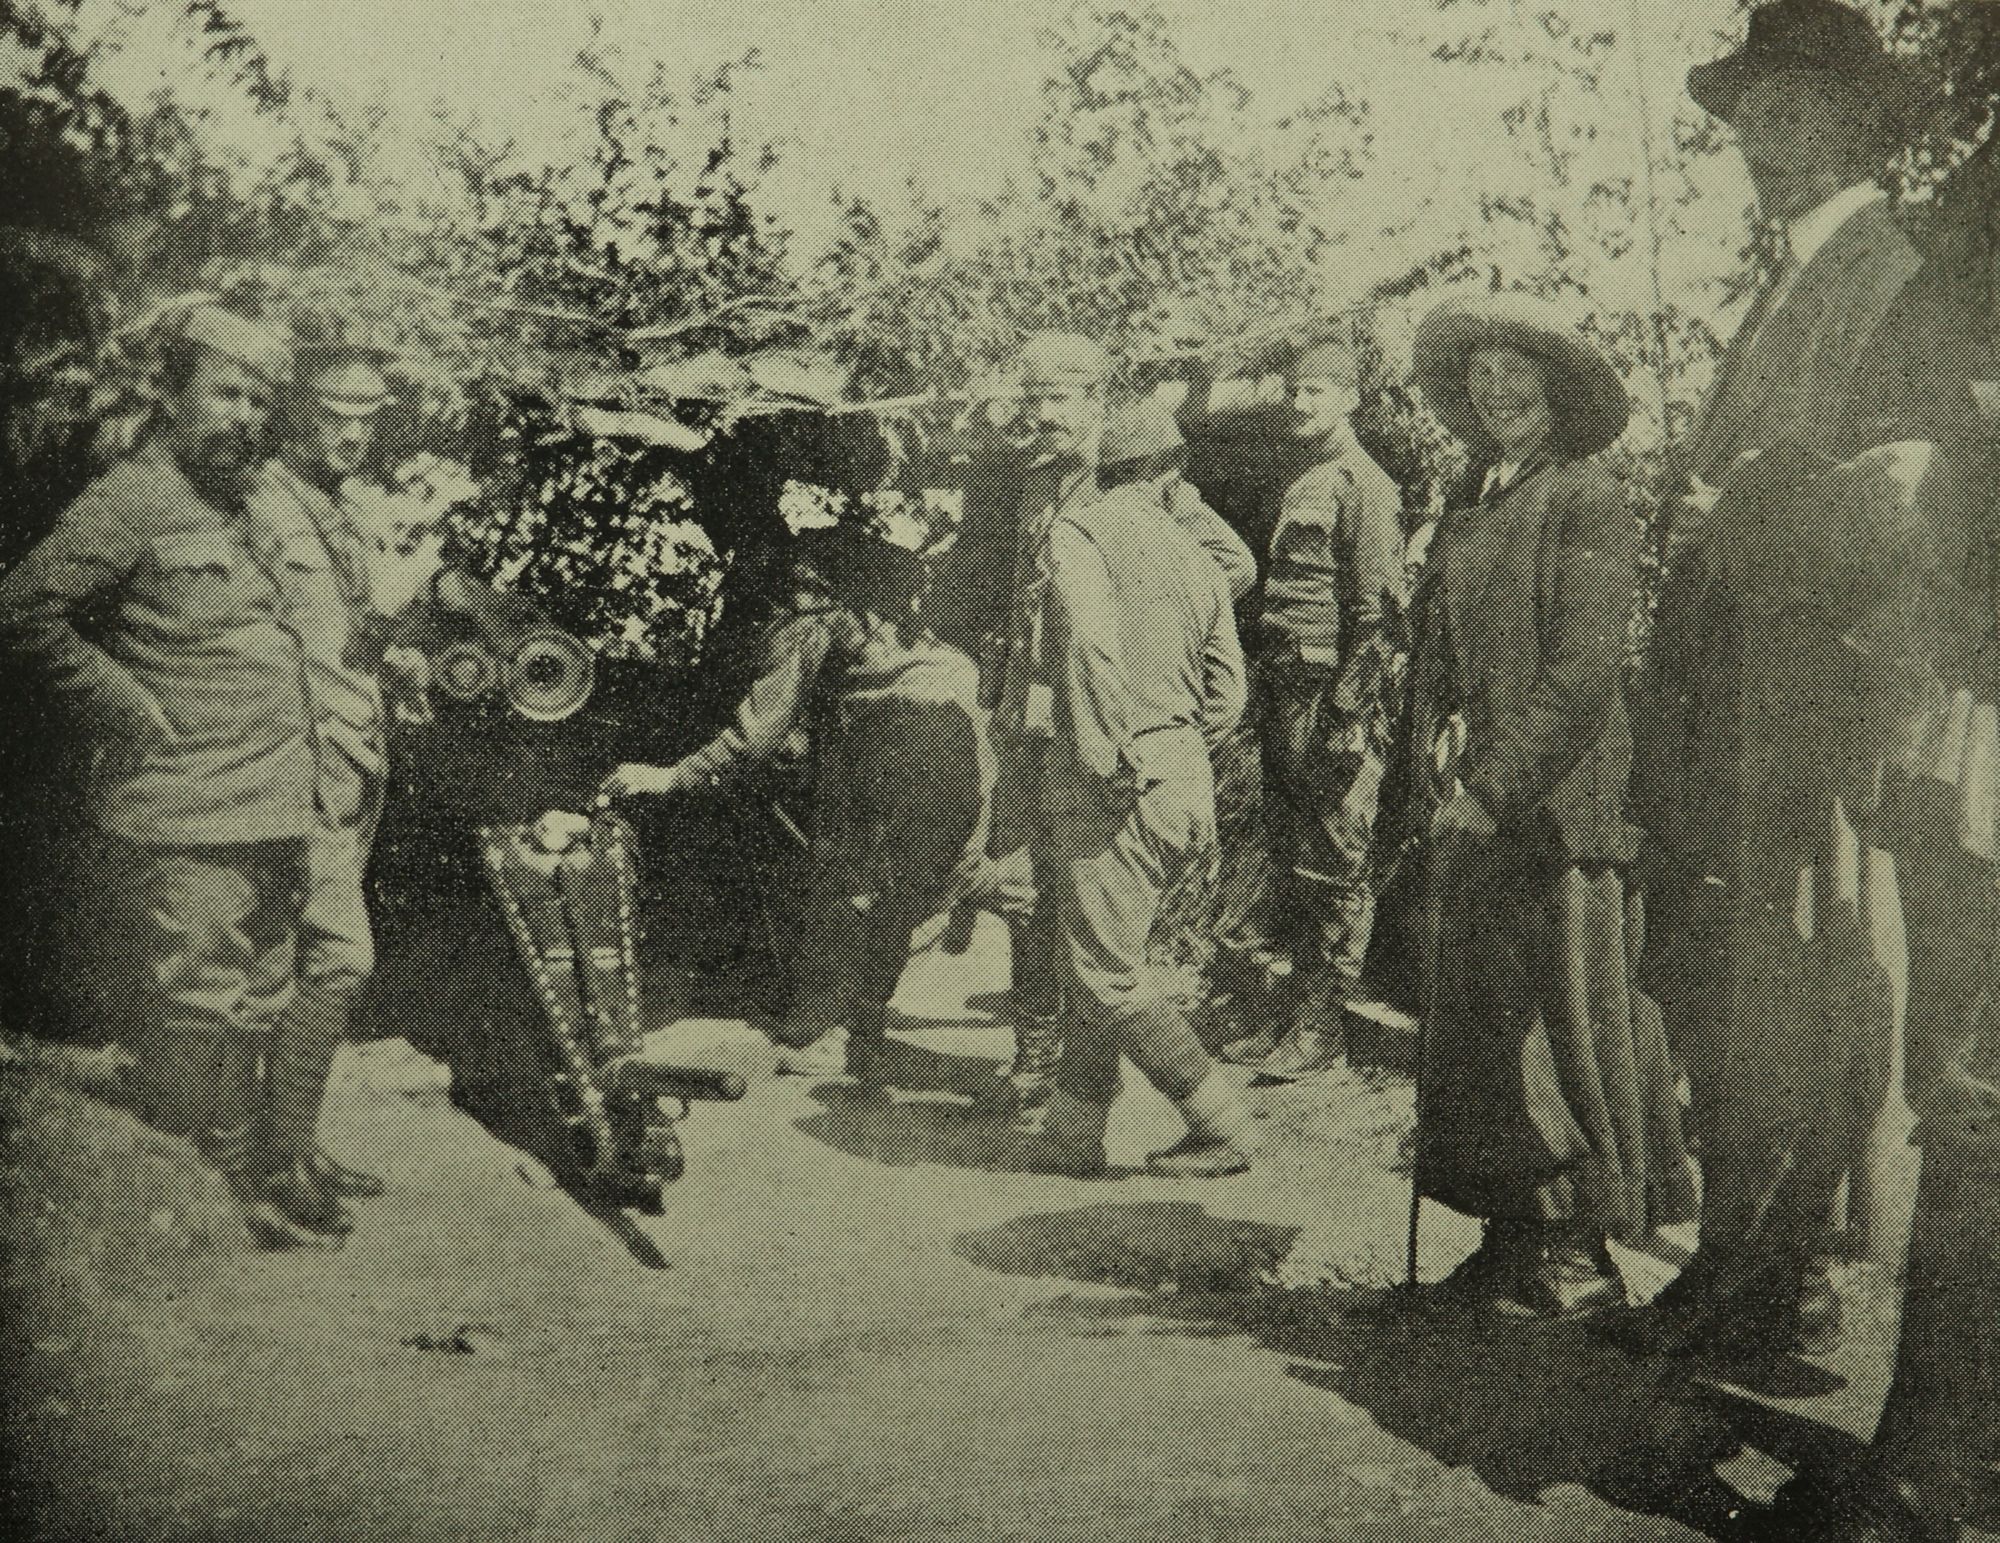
1527,1407
1152,1244
491,1039
957,1118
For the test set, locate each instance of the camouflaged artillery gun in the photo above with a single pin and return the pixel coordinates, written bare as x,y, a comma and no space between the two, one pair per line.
565,886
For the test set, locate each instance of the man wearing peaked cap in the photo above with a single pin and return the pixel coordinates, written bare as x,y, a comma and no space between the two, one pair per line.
1120,670
339,603
1075,445
154,612
1334,591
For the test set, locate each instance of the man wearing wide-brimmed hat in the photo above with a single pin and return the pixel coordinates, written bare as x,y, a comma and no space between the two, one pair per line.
1758,770
155,611
342,596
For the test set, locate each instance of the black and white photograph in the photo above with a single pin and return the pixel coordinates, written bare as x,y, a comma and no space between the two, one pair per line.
1000,771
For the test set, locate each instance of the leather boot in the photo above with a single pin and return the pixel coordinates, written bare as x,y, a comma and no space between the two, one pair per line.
303,1045
1071,1141
1221,1134
868,1052
233,1153
1869,1507
1037,1048
295,1190
349,1183
1315,1038
1567,1273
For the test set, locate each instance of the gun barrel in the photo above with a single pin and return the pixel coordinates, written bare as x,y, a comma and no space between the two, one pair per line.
651,1079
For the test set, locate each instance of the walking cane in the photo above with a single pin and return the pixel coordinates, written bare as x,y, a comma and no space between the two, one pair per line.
1433,936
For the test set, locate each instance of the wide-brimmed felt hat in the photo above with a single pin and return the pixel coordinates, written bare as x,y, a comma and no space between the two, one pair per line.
1806,35
1586,394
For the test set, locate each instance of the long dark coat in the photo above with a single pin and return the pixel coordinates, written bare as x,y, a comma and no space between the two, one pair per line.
1546,1092
1769,707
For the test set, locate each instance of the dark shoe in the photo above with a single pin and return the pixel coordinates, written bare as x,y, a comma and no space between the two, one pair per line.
276,1231
868,1063
339,1179
1483,1277
1200,1156
1251,1050
1070,1141
298,1193
1864,1508
1566,1276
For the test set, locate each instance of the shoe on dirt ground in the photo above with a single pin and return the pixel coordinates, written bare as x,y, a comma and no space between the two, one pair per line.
1198,1155
1303,1053
339,1179
825,1057
1563,1277
1250,1049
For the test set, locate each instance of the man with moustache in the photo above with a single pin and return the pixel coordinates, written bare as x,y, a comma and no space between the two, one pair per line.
1054,460
154,610
1334,588
342,589
1122,671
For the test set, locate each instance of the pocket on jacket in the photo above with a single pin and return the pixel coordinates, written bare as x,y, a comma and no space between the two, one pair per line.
199,578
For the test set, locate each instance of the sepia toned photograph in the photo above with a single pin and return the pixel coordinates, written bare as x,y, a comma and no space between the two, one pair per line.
1066,771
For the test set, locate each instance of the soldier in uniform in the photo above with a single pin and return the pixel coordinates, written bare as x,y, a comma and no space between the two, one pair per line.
155,608
1122,671
1006,502
1333,595
341,592
903,773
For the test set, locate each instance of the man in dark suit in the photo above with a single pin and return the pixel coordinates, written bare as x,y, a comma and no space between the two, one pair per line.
1773,911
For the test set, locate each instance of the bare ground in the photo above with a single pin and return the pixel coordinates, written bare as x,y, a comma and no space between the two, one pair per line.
852,1324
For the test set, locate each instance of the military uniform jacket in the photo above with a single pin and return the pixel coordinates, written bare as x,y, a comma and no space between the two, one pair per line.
1139,651
160,619
323,563
1335,584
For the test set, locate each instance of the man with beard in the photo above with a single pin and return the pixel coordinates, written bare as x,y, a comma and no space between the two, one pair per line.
154,610
342,589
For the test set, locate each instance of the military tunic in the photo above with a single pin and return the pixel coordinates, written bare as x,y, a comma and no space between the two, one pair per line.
1333,597
160,618
323,564
1137,659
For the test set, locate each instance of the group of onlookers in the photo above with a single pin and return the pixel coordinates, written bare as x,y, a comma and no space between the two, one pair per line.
1755,860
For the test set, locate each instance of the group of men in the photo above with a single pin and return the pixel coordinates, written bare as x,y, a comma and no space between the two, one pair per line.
215,619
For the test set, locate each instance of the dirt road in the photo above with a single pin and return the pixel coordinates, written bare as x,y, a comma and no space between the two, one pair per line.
848,1326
